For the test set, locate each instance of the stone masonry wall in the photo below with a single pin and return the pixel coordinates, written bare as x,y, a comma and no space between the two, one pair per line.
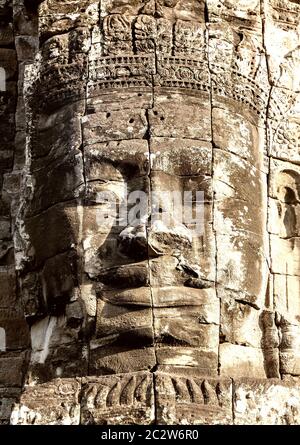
127,325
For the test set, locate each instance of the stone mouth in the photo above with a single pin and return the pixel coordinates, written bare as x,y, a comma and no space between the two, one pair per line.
160,296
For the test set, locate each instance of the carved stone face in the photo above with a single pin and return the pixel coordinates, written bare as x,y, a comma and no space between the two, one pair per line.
153,99
157,117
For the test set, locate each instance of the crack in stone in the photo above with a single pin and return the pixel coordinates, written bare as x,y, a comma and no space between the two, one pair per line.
207,23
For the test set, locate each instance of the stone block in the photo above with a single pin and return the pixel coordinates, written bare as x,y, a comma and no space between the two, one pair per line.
239,361
266,402
62,405
182,400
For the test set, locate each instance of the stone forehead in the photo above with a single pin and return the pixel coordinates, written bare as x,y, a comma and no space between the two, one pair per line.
142,51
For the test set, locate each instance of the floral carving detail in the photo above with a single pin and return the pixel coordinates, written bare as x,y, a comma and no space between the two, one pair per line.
118,35
154,7
117,27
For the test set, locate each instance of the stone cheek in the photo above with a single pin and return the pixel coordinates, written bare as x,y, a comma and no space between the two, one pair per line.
150,323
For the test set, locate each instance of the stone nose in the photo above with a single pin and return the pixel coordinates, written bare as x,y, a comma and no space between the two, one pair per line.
154,238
